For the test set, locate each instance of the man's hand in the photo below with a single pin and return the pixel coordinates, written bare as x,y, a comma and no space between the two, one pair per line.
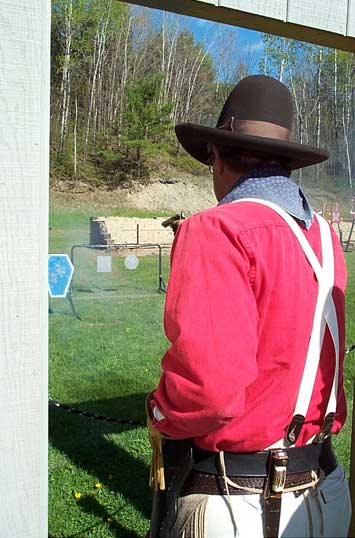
174,221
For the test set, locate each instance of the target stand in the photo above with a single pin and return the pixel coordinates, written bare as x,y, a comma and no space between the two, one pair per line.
104,263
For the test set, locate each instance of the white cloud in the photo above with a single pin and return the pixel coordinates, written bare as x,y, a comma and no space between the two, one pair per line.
257,46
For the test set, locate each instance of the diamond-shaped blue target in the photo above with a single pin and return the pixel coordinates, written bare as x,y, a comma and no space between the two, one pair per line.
60,272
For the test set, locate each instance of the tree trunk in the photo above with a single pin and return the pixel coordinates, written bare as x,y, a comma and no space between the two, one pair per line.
192,79
299,118
113,80
346,139
75,137
284,57
124,79
99,47
319,110
65,85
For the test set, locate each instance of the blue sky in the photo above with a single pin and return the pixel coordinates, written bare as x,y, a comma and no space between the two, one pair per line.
246,45
200,26
242,45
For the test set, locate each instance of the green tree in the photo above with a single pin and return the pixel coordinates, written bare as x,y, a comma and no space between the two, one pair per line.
146,121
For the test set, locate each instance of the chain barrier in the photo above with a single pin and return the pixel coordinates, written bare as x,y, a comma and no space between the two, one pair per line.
55,403
81,412
67,408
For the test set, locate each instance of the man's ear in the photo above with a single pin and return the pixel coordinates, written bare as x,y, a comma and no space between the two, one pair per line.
218,163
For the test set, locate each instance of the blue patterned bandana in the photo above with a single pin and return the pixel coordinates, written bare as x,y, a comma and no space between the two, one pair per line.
273,185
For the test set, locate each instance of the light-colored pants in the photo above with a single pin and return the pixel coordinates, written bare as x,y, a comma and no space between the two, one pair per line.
322,512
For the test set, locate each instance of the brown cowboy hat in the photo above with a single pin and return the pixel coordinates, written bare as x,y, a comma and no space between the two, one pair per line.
257,117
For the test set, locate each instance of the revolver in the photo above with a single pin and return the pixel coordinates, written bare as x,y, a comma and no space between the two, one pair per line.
174,221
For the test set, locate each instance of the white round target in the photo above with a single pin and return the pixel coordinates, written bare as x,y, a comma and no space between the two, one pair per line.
131,262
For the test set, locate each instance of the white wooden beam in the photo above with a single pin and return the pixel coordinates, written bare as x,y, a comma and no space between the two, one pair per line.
323,22
24,150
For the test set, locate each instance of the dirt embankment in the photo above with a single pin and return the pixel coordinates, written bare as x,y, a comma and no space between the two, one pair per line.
174,196
189,194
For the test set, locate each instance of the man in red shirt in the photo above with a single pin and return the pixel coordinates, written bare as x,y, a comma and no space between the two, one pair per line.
252,384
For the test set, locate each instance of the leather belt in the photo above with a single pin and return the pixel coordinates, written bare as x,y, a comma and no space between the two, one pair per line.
210,484
300,460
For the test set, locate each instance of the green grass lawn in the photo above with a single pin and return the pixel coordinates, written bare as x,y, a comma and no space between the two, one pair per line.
106,363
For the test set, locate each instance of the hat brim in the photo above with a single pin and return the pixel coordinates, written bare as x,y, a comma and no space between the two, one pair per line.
195,139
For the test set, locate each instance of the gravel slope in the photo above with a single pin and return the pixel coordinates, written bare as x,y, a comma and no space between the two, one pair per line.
175,196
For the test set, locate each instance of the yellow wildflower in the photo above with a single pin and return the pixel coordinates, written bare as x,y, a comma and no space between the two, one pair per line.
77,495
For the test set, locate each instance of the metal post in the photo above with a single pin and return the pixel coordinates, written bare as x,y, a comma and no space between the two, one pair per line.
71,302
131,246
162,285
71,287
349,237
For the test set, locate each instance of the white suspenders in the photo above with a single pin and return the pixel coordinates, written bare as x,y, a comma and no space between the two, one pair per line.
325,315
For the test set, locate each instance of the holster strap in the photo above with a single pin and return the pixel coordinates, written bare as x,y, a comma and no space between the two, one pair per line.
272,516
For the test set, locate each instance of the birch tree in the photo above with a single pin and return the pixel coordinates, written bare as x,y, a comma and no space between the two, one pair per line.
113,64
104,9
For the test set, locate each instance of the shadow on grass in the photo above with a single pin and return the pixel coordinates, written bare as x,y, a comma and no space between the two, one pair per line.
91,505
84,442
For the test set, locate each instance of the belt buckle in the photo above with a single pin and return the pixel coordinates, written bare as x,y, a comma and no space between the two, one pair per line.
279,461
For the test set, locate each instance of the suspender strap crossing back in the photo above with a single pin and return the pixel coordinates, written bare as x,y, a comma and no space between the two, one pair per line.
324,316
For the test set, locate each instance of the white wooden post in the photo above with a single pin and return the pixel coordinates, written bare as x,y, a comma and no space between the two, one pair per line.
24,152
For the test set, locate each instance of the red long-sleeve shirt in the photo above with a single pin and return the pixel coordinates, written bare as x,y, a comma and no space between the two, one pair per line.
239,312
